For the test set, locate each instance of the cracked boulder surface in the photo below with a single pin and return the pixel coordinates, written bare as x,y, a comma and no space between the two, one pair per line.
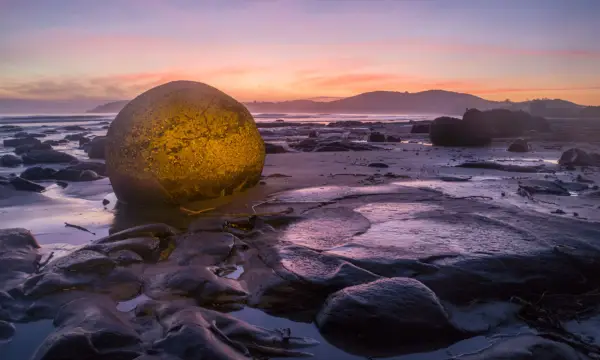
180,142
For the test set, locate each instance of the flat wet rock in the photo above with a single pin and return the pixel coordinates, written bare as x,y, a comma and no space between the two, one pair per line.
527,347
327,228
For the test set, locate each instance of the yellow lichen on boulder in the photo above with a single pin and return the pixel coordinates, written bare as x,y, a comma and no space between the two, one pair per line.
180,142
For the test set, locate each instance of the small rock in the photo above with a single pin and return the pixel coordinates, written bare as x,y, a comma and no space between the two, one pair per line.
10,128
420,129
575,214
105,202
76,137
392,138
96,148
22,149
559,212
97,167
582,179
125,257
575,157
73,128
20,141
84,141
25,185
47,156
10,160
378,165
24,134
76,175
86,261
274,149
376,137
37,173
519,145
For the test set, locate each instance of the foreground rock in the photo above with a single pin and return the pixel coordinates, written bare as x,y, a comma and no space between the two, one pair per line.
18,256
180,142
380,318
192,333
90,329
47,156
195,282
447,131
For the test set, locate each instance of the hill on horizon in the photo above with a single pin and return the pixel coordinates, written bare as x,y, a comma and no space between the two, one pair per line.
424,102
111,107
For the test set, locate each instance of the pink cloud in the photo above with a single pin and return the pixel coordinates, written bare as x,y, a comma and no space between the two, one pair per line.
456,46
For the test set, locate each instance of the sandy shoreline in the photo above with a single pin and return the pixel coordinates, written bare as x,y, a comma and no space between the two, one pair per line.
423,183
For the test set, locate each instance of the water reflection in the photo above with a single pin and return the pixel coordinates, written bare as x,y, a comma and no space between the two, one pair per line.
26,340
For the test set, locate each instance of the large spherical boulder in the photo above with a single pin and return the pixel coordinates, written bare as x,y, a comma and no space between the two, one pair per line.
180,142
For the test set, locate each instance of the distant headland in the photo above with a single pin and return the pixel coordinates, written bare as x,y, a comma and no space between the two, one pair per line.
424,102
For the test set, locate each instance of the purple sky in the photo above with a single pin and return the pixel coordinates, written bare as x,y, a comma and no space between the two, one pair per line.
289,49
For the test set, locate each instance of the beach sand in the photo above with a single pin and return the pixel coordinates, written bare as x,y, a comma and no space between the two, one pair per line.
417,205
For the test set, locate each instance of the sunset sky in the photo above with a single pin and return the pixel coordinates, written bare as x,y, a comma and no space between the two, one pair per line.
293,49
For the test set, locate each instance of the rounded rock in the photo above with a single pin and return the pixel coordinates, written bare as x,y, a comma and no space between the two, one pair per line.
385,317
180,142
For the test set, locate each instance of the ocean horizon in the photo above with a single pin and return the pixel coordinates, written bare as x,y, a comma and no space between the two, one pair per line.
37,119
